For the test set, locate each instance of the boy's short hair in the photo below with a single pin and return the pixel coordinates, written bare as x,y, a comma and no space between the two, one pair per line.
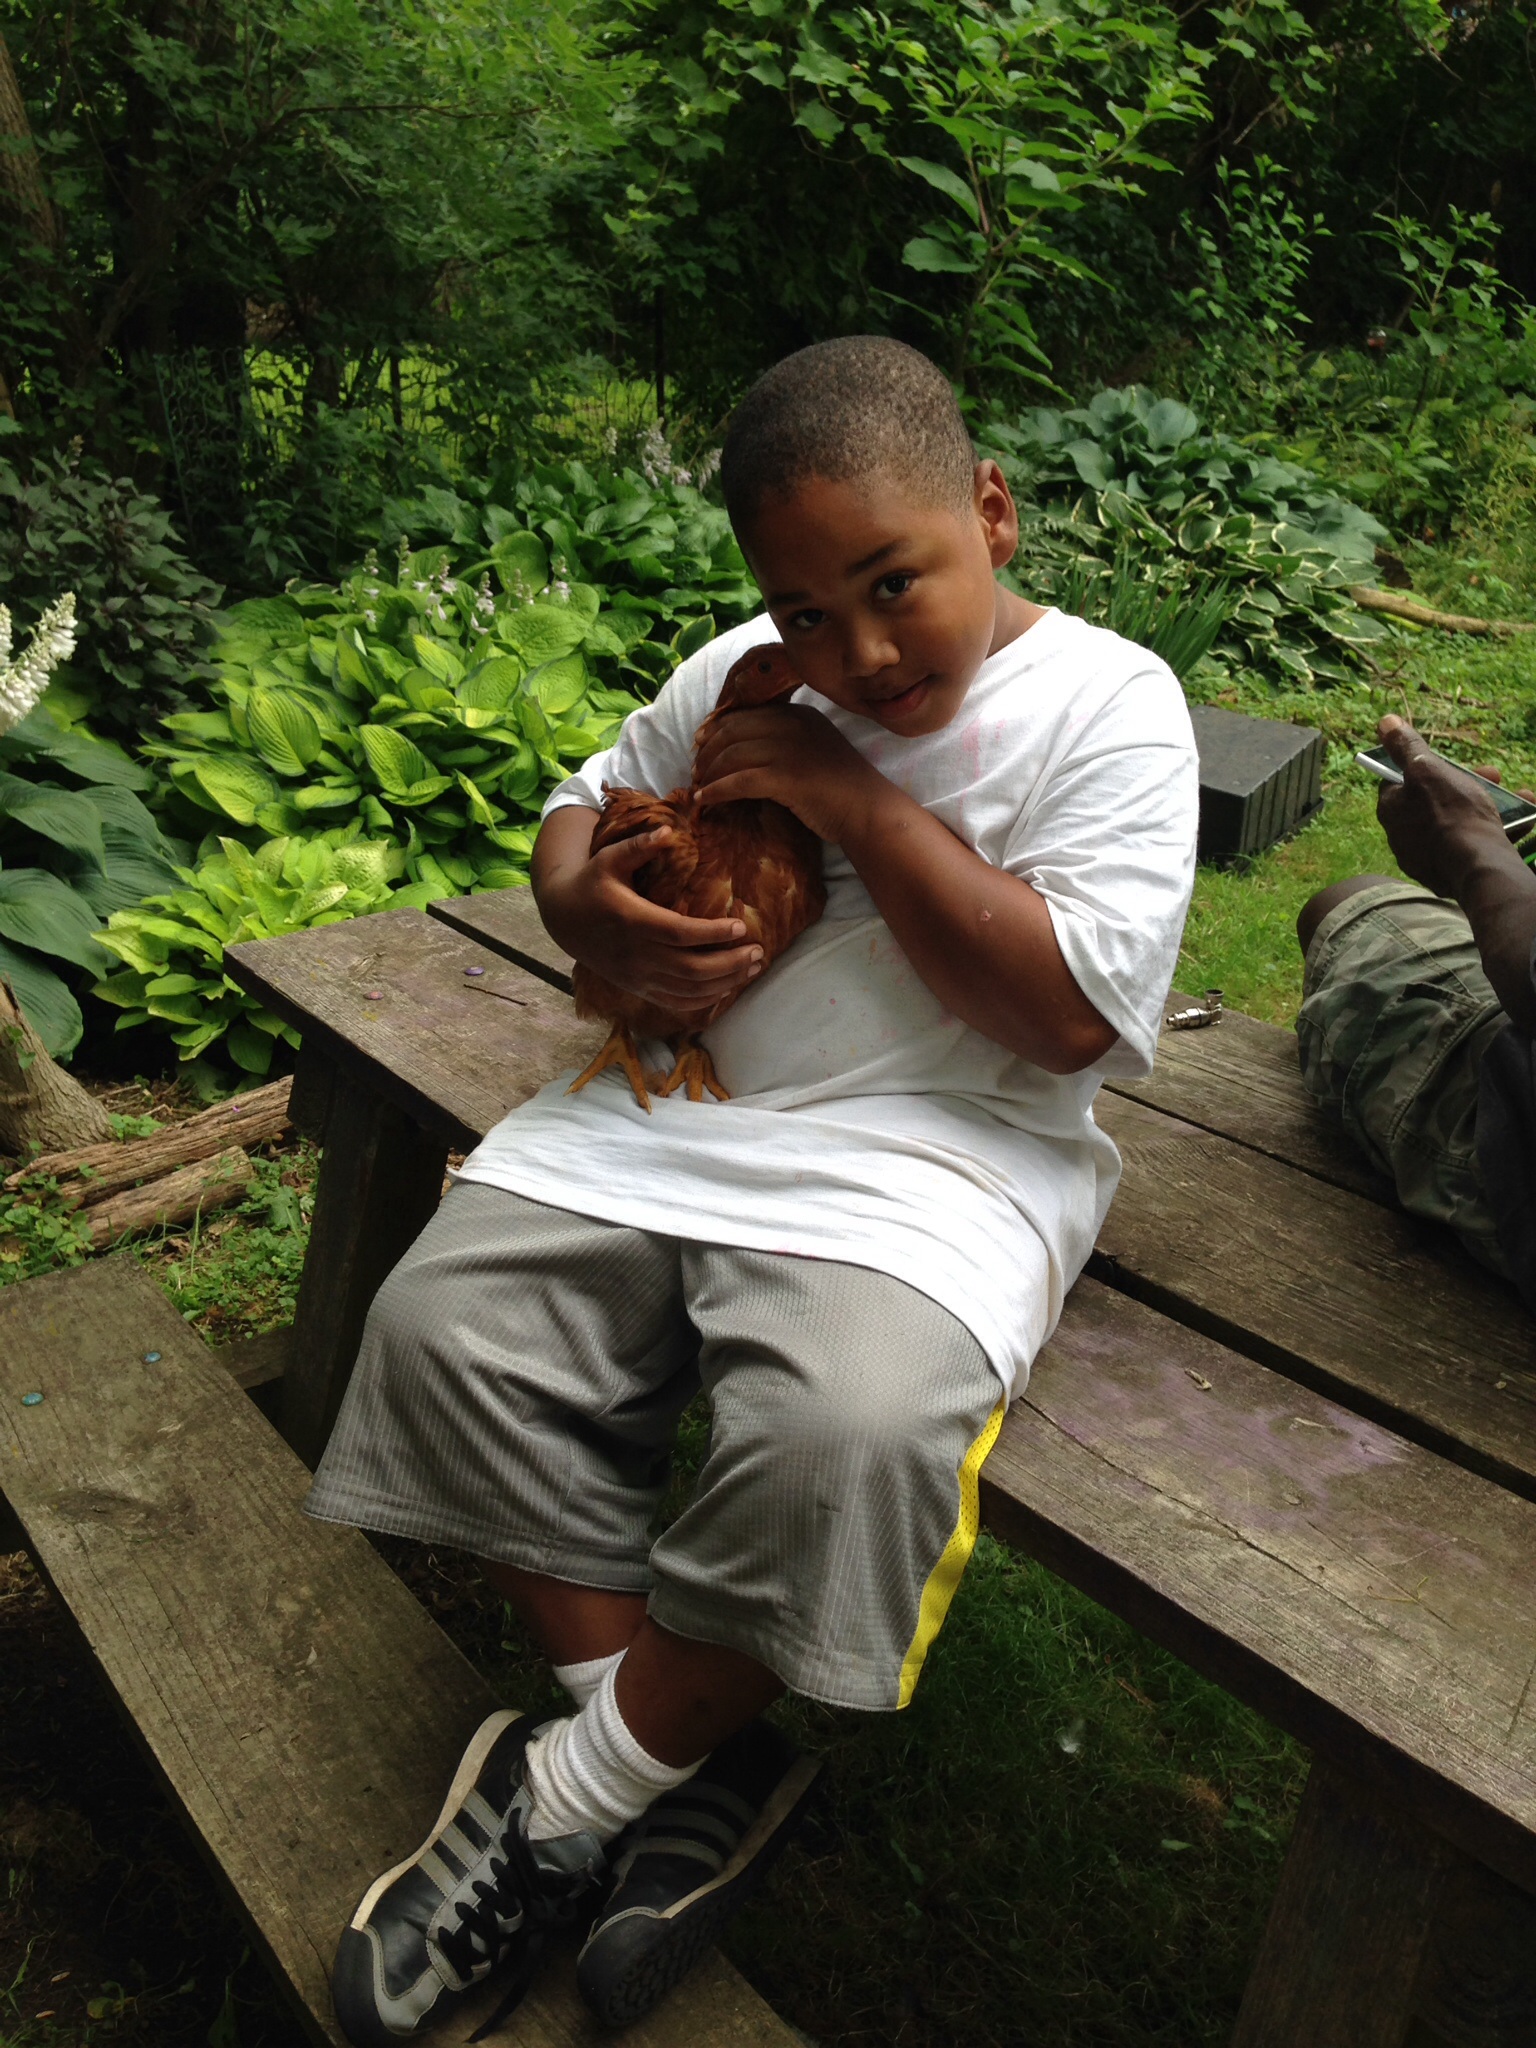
839,410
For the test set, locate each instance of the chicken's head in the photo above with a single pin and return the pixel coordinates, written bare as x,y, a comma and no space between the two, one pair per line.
760,676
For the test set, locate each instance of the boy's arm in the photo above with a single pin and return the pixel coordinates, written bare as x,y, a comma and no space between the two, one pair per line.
983,940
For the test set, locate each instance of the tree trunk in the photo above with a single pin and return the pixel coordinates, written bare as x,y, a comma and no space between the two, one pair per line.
21,174
40,1105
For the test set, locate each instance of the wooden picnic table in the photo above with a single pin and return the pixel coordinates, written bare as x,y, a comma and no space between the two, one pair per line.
1283,1429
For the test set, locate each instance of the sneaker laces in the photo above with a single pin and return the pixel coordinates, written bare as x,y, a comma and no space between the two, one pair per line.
543,1910
497,1912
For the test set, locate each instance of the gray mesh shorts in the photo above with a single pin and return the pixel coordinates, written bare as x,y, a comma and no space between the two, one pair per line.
519,1387
1395,1017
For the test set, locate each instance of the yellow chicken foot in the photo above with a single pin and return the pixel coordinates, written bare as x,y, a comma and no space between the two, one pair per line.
618,1051
695,1070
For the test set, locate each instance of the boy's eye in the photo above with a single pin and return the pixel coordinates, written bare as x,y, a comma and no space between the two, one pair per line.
897,584
803,622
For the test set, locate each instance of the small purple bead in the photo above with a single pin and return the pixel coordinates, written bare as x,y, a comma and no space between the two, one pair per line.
474,970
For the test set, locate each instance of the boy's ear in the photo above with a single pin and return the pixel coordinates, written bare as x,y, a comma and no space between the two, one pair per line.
997,512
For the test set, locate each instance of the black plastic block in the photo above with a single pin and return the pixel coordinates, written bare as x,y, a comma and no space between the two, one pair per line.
1259,779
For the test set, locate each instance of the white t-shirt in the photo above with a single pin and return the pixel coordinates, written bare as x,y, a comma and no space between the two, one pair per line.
866,1123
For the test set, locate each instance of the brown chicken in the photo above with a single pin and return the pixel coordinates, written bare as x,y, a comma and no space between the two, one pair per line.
751,860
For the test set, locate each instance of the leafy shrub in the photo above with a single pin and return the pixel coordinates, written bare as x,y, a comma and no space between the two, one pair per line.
143,608
71,853
1157,453
439,709
1146,513
172,945
1416,424
1213,595
647,537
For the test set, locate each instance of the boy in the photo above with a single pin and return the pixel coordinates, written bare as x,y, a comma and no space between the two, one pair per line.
857,1256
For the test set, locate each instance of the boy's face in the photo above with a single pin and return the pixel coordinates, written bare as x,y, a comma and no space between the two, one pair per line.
887,603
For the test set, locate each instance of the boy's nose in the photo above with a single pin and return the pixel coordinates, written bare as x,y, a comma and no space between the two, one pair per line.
868,649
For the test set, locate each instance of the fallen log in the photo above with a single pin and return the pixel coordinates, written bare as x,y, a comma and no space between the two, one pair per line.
211,1184
1409,608
251,1119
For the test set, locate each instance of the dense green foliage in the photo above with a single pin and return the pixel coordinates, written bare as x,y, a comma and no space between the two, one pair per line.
143,608
72,851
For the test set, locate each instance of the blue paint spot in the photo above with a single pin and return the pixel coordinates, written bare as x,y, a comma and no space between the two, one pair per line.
30,1400
151,1358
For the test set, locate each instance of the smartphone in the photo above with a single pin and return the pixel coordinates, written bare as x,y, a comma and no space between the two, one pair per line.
1516,815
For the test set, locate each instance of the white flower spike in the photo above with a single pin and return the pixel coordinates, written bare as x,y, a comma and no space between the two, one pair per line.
23,681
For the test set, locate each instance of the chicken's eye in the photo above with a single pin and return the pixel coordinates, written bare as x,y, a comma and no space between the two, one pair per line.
897,584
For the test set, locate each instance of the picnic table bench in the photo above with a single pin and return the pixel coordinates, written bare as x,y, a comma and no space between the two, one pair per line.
1282,1429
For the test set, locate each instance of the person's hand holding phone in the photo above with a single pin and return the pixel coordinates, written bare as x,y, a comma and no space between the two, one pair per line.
1438,823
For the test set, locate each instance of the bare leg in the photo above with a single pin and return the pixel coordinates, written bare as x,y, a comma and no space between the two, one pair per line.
618,1051
572,1624
1317,907
693,1067
680,1699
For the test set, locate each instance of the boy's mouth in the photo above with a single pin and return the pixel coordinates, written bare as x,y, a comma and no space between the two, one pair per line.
901,702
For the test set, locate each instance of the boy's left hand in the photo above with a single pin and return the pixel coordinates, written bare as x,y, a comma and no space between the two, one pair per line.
792,754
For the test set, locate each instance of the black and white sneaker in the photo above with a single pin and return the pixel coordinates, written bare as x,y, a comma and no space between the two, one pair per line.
476,1896
694,1857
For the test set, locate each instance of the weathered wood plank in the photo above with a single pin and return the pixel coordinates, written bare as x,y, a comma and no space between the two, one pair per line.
1376,1601
387,998
1349,1927
304,1711
1359,1300
1240,1078
508,921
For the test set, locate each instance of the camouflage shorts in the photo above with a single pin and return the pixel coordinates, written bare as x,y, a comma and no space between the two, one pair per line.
1395,1016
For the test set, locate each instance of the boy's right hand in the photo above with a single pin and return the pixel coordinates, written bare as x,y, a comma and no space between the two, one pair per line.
589,907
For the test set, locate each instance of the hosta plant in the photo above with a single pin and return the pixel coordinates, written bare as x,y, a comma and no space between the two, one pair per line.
436,709
172,945
1158,454
1221,593
76,843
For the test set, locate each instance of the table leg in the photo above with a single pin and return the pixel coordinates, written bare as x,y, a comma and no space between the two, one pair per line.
1347,1935
380,1178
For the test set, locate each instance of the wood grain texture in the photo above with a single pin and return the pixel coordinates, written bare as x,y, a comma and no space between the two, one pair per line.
1477,1985
249,1119
1363,1302
1374,1600
508,922
1241,1079
388,1000
304,1711
1348,1929
380,1179
174,1198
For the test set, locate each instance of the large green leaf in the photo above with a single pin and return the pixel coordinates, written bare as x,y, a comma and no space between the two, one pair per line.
284,730
133,869
440,662
78,753
38,910
521,564
63,815
397,761
485,691
278,616
46,1003
236,785
944,180
543,632
559,684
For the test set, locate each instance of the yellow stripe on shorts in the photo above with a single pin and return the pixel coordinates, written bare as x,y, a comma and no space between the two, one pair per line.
946,1574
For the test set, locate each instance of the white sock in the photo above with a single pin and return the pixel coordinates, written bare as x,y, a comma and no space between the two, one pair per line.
582,1680
590,1773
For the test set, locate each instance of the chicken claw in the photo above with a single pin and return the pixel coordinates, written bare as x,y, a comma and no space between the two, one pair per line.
695,1070
618,1051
